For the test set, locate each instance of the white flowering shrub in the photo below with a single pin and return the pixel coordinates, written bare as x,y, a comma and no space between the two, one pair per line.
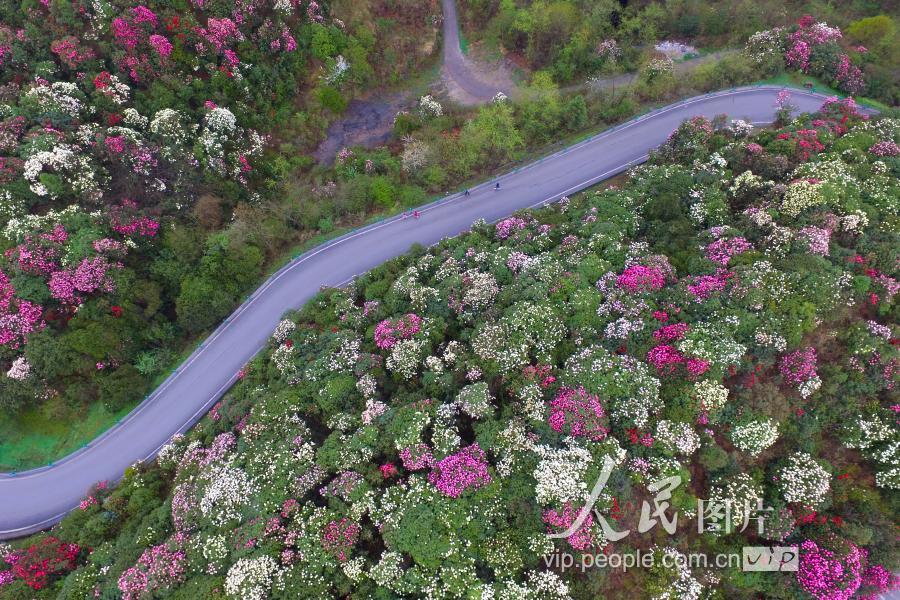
754,436
710,396
228,492
677,437
430,107
475,400
804,481
741,495
560,474
251,578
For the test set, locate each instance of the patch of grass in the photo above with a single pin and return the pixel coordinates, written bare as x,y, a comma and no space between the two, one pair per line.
33,438
463,42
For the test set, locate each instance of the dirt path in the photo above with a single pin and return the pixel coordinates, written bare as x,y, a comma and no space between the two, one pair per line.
369,122
464,80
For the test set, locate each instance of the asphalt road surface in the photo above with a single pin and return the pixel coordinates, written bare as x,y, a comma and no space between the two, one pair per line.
34,500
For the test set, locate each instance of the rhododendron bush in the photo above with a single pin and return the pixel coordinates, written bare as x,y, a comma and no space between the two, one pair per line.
421,431
811,46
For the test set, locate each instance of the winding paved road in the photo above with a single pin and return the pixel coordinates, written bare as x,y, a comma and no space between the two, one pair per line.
34,500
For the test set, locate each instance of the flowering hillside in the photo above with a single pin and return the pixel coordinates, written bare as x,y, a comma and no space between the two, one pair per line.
728,317
134,137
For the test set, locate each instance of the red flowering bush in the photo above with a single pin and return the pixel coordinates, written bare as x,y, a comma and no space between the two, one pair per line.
38,564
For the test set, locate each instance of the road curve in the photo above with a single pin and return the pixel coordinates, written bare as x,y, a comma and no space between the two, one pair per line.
34,500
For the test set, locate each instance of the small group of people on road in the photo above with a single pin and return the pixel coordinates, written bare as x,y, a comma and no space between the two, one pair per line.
415,214
496,187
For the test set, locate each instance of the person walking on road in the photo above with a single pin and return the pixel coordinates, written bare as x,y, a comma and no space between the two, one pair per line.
496,186
416,214
467,192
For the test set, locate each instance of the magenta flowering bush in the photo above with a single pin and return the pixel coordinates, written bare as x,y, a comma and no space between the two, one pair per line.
578,413
464,470
723,249
39,258
885,148
702,287
799,369
390,331
671,333
799,366
665,358
812,47
638,278
826,575
18,318
560,520
507,227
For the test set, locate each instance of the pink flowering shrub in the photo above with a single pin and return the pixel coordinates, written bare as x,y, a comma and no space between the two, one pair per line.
161,44
91,275
559,521
416,457
704,286
578,413
797,55
849,77
696,367
813,47
754,148
465,470
18,318
885,148
125,33
638,278
816,238
722,250
799,366
671,333
826,576
339,538
70,51
390,331
158,568
125,219
38,255
665,358
877,581
507,227
809,34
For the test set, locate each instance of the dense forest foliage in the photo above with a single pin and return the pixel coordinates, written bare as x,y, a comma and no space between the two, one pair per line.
727,316
579,38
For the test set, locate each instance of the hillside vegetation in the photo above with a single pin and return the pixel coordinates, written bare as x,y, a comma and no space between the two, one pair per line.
728,316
